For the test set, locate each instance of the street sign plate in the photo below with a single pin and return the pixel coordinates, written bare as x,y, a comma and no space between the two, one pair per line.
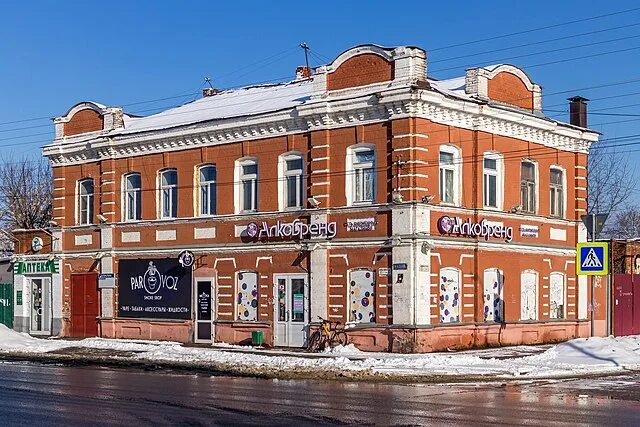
592,259
587,220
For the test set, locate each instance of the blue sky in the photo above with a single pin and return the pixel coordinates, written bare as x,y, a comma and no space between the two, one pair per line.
54,54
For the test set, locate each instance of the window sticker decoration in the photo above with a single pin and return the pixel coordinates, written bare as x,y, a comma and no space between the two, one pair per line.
247,296
449,295
362,286
493,303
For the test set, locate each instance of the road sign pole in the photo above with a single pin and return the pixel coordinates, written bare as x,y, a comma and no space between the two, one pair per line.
593,287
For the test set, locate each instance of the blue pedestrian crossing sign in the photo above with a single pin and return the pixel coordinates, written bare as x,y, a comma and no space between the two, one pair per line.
592,258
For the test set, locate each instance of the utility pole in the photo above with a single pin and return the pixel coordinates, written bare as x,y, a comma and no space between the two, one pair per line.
306,49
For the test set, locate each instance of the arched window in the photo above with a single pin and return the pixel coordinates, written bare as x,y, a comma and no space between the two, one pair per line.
169,194
556,295
246,185
449,295
450,175
132,197
291,181
85,201
529,295
493,302
206,190
362,299
361,174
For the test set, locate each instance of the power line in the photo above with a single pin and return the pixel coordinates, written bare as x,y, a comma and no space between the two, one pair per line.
546,27
570,36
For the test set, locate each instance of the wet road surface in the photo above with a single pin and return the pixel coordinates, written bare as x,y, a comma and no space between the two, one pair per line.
32,394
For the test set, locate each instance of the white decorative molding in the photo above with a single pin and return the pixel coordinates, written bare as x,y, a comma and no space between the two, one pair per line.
83,239
130,236
204,233
163,235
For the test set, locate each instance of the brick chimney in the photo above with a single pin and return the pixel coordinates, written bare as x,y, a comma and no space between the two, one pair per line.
578,111
303,72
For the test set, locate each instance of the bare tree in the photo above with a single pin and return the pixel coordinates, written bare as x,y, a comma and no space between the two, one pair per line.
611,179
624,224
25,193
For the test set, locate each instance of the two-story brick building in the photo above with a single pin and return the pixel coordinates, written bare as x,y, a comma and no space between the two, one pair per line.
428,214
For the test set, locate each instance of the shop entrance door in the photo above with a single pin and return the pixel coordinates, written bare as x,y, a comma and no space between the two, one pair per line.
40,288
84,305
6,304
291,310
204,311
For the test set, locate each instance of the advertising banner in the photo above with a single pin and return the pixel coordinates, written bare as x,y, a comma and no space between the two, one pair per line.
154,288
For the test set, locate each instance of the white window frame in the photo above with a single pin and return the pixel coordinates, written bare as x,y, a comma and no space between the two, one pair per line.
564,295
563,199
499,174
352,171
283,173
198,191
536,195
537,300
125,197
85,219
239,179
456,167
160,198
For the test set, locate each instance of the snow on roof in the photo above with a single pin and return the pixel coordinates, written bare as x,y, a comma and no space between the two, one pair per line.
226,104
455,86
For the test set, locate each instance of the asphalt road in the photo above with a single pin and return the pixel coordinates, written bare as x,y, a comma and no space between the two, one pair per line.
32,394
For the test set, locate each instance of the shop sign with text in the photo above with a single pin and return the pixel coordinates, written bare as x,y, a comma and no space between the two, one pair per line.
481,230
154,288
361,224
291,230
35,267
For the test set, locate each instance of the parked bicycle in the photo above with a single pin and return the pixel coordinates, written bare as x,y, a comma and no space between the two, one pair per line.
329,334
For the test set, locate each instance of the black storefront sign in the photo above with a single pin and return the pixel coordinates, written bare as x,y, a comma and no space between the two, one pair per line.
154,288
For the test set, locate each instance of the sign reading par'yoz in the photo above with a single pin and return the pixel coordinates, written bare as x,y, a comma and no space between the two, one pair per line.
154,288
592,259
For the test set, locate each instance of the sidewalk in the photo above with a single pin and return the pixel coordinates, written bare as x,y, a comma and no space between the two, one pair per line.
577,358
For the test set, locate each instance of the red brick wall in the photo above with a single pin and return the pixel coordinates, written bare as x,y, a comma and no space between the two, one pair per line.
83,121
510,89
360,70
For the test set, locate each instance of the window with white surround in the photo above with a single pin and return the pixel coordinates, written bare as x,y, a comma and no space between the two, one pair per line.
529,295
291,186
247,185
168,193
449,295
450,176
528,198
132,197
556,192
493,299
85,201
556,296
361,174
492,180
206,190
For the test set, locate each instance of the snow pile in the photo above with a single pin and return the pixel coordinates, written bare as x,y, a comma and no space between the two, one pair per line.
345,350
12,341
586,356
